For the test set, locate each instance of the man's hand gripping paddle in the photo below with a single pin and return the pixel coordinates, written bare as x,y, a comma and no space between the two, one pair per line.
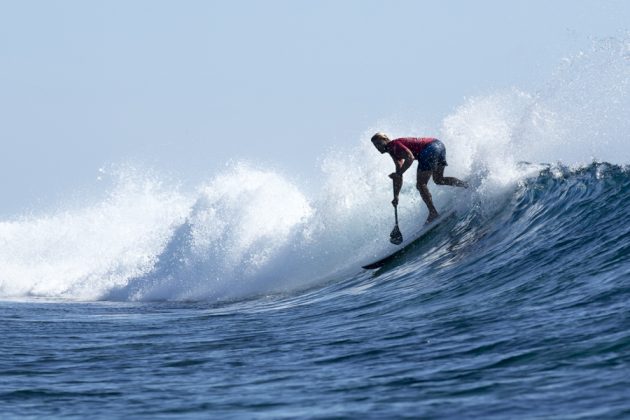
396,236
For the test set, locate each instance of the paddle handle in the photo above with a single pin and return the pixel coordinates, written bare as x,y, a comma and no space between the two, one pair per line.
396,214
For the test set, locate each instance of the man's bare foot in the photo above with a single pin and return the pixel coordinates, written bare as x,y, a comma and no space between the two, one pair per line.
432,217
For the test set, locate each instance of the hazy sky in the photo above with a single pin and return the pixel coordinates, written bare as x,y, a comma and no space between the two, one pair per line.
183,86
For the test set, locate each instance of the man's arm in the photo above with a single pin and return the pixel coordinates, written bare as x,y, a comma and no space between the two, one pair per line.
403,161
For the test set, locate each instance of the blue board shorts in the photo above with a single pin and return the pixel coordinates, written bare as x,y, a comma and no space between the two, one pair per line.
432,156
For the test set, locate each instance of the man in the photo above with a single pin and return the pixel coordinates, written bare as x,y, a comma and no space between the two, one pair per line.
431,156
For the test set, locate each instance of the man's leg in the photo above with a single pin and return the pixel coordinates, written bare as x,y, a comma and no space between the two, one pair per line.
423,179
440,179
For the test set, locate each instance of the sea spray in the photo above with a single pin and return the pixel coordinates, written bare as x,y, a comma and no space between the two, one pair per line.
82,251
239,222
251,230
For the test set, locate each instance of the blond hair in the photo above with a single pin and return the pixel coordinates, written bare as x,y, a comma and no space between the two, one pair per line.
380,136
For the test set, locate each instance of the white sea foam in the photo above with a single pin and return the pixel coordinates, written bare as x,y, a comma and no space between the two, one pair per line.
81,253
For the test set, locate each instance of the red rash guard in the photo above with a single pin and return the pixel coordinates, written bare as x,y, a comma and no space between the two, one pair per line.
415,144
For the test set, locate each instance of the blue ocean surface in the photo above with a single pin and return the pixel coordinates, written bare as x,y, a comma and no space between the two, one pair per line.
517,311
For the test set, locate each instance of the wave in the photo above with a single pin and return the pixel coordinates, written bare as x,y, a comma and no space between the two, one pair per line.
564,221
156,246
251,231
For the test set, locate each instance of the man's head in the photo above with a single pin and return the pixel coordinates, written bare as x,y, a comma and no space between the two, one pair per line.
380,140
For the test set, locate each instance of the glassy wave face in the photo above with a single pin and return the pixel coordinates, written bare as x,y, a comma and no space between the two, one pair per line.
245,296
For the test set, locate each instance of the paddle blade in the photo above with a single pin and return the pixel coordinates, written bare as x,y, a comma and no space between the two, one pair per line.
396,236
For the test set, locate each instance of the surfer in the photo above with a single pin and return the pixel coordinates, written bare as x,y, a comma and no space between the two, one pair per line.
431,156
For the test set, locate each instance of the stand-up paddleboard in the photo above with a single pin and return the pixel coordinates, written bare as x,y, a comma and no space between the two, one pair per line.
413,238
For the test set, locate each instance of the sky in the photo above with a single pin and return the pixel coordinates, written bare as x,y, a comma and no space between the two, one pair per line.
186,86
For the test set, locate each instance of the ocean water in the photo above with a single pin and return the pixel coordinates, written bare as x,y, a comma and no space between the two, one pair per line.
244,297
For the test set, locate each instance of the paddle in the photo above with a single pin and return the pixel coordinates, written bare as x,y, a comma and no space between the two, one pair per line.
396,236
